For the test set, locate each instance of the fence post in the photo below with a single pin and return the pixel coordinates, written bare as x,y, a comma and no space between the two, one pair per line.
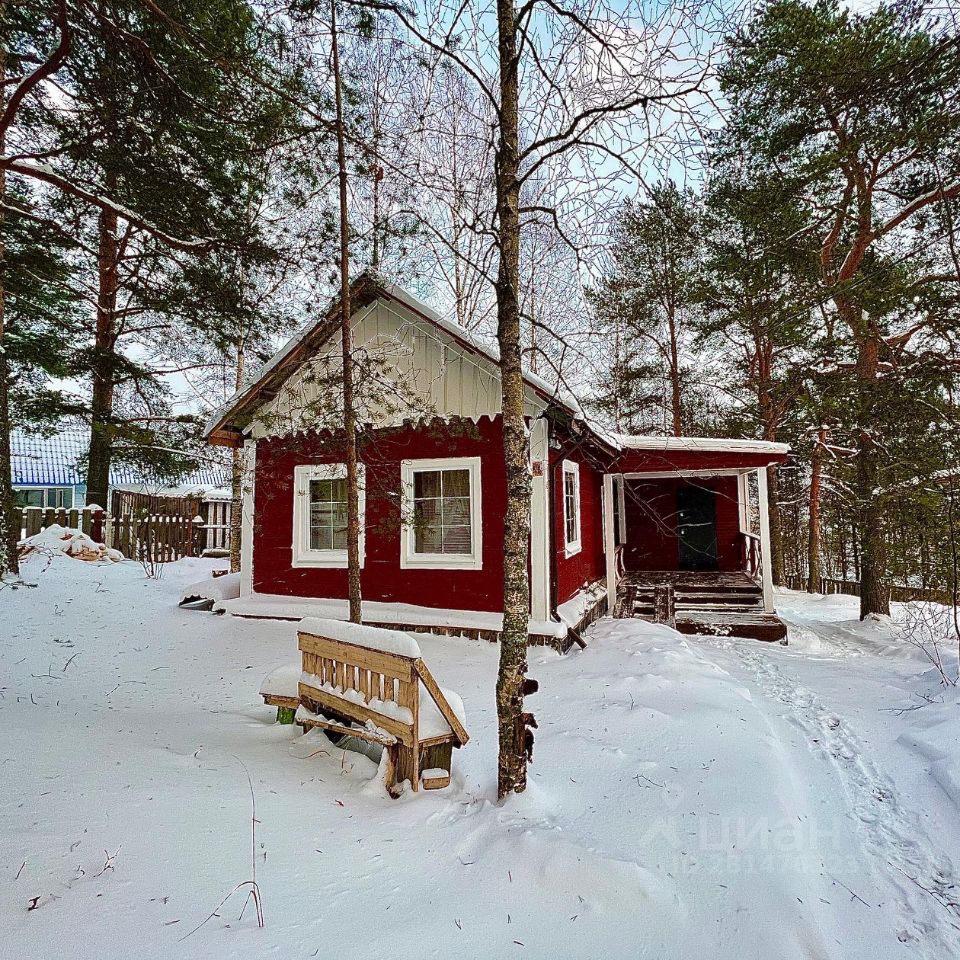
33,518
17,520
197,536
96,524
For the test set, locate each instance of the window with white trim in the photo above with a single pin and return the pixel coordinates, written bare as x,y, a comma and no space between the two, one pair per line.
442,514
320,515
571,507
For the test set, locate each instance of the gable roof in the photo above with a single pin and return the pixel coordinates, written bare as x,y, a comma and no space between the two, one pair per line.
56,460
223,427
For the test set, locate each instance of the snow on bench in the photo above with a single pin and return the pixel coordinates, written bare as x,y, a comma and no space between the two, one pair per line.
372,683
373,638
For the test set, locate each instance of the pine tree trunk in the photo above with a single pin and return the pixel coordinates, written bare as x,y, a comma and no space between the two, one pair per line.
236,479
512,768
346,345
873,594
103,364
9,532
813,534
676,400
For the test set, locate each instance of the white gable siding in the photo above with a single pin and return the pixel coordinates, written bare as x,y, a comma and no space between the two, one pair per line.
415,371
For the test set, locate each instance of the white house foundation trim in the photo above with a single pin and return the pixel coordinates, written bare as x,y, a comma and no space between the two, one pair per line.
766,567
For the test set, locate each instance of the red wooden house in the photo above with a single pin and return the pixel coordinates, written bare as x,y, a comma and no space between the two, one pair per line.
608,513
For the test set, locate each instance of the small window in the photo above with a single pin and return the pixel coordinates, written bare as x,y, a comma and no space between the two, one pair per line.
60,497
571,507
441,514
320,515
29,498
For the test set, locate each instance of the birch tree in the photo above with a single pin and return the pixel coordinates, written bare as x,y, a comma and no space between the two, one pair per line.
579,92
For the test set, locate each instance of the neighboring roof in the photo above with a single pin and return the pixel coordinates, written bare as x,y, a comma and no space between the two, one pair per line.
54,461
697,444
367,288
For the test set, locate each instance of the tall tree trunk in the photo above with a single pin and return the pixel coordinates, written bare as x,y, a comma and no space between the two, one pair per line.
512,767
873,594
676,400
236,477
813,532
768,415
103,366
9,531
346,344
776,524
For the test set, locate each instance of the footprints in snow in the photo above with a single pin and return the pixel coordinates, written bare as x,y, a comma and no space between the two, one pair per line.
929,892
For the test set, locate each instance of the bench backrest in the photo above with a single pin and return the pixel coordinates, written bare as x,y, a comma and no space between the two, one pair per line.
369,681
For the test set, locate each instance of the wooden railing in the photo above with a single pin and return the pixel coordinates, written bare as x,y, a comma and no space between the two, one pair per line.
751,557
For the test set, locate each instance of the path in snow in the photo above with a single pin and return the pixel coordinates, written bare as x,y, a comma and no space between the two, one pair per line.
892,835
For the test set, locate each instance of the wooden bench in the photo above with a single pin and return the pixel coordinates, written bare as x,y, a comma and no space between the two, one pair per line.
371,683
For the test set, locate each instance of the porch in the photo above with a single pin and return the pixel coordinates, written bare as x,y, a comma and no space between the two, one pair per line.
712,603
687,536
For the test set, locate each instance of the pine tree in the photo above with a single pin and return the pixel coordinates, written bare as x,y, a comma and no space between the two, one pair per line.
648,302
859,113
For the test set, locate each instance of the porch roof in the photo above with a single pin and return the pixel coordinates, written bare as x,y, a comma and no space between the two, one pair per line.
694,454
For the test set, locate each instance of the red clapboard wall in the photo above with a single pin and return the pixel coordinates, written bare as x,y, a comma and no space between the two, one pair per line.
382,578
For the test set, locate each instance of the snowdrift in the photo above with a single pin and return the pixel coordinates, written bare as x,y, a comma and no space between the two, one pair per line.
213,589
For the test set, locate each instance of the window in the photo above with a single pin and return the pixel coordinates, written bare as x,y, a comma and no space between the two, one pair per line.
441,514
58,497
320,515
571,507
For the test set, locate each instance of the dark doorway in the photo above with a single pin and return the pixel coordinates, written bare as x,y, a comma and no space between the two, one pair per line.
697,528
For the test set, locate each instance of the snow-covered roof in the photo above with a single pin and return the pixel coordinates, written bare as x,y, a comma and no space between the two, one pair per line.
699,444
56,461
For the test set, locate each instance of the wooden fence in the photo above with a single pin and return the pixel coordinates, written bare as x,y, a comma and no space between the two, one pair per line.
31,520
159,537
899,593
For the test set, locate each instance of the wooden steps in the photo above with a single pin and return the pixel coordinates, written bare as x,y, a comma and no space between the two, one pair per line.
718,604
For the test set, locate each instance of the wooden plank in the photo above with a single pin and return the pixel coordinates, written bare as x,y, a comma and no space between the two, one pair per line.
441,701
358,712
34,520
275,700
436,783
335,727
389,664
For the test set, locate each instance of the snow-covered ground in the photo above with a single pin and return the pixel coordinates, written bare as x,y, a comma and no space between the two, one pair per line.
690,798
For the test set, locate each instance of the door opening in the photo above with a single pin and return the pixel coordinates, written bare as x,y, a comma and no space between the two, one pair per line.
696,528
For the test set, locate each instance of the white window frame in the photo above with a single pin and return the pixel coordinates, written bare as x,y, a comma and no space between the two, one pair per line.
572,547
409,558
303,555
